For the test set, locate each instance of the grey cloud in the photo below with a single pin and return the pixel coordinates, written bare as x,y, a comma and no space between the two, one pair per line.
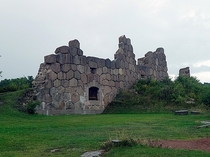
32,29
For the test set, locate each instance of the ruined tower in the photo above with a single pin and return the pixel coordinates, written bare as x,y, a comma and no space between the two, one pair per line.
70,83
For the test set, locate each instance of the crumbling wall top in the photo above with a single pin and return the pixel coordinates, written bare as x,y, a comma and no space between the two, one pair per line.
184,72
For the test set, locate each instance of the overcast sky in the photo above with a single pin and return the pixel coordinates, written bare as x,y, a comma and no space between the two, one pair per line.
32,29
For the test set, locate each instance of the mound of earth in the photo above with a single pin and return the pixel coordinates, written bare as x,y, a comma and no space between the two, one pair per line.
199,144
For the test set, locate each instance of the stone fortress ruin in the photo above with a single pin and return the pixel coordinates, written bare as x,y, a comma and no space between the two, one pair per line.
69,82
184,72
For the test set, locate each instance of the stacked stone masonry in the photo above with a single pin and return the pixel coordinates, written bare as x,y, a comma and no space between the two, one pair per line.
70,83
184,72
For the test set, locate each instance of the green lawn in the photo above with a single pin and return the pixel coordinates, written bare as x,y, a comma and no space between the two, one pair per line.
35,135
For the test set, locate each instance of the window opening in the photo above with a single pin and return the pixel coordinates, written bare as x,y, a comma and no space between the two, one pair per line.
93,70
93,93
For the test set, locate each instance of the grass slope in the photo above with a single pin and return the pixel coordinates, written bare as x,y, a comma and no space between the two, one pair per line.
23,135
73,135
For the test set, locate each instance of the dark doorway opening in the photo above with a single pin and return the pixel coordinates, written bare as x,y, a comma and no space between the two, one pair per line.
93,93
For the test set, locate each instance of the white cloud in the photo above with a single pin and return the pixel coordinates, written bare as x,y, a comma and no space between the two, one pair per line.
202,63
172,76
202,76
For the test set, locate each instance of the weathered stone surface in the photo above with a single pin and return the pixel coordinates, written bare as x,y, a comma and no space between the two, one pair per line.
47,98
65,83
57,83
79,52
84,78
74,43
61,105
83,60
117,63
122,64
116,71
160,49
130,48
62,49
51,75
111,83
122,39
92,64
128,41
73,51
68,58
70,106
108,77
107,90
61,58
126,48
99,71
75,97
50,58
121,84
101,63
121,77
90,77
81,68
104,70
184,72
102,77
96,78
77,75
69,75
121,45
76,59
55,67
61,89
66,97
113,64
87,70
108,63
73,82
73,67
53,91
65,67
48,84
80,91
115,77
61,76
105,82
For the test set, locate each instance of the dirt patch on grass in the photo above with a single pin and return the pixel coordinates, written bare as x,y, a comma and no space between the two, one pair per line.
199,144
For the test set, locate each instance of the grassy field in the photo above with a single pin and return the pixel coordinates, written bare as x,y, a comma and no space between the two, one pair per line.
23,135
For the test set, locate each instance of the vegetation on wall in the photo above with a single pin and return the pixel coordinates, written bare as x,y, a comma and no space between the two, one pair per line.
157,96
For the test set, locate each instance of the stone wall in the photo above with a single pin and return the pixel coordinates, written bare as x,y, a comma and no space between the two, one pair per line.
70,83
156,64
184,72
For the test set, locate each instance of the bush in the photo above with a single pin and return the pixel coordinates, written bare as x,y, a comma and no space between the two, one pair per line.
161,96
31,106
120,139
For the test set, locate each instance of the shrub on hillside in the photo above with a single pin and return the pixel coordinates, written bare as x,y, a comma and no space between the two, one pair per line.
31,107
155,96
